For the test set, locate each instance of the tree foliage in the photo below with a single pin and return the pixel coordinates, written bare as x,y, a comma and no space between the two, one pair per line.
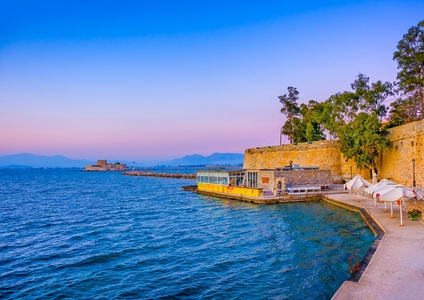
403,111
355,118
290,107
410,59
308,126
363,139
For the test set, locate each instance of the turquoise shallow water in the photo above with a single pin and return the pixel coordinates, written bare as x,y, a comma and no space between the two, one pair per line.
80,235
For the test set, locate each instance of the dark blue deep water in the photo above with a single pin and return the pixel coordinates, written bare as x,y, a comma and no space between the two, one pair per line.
80,235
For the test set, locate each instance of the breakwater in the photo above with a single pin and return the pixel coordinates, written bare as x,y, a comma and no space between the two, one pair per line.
166,175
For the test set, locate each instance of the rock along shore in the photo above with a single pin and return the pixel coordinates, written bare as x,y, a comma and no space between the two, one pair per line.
165,175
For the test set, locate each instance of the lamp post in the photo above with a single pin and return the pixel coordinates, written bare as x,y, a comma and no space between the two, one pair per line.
351,176
413,172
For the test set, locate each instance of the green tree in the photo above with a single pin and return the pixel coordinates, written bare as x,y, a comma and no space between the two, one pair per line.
290,107
329,117
369,98
403,111
310,133
312,115
307,127
363,139
355,118
293,128
410,59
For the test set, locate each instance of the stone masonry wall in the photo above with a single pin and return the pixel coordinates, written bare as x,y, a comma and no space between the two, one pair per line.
395,164
407,145
347,174
322,154
306,177
266,179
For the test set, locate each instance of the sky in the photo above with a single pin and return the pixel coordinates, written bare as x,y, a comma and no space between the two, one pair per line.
157,80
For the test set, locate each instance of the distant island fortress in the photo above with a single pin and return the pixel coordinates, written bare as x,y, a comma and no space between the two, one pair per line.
102,165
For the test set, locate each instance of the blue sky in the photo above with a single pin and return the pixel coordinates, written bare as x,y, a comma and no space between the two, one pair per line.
152,80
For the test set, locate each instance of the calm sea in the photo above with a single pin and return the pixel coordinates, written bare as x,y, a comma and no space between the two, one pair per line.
101,235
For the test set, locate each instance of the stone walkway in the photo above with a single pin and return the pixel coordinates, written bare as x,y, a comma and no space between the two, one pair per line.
396,270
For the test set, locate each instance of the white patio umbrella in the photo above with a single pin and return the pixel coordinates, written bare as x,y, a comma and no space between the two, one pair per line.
385,189
383,182
397,194
382,189
356,183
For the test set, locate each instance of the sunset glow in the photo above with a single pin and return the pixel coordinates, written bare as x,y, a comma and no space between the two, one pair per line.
155,80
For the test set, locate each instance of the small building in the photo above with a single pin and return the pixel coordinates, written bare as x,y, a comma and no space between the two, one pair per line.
102,165
255,183
226,181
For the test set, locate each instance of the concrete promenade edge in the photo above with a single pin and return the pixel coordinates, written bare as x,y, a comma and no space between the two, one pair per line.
396,270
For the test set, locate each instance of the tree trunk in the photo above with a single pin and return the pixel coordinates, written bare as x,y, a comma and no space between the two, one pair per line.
291,137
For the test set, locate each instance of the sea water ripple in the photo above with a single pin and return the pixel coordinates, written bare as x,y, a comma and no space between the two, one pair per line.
79,235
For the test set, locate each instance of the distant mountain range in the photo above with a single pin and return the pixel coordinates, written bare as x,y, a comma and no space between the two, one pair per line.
27,160
214,159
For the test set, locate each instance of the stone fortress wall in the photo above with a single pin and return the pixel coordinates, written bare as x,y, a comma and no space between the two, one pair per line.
322,154
395,164
408,143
